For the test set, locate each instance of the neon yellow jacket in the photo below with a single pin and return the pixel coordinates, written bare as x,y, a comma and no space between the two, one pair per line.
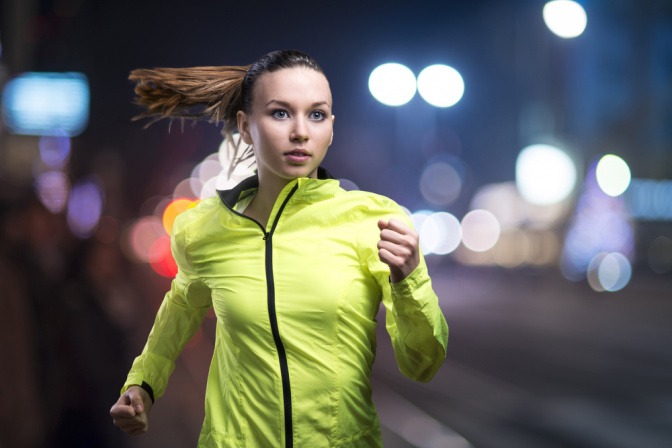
295,306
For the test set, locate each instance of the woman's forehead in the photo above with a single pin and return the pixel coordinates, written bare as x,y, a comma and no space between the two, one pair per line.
293,84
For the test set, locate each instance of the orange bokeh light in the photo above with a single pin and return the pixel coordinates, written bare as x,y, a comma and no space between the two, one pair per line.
173,209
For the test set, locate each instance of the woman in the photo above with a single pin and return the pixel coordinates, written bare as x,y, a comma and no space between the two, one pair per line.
294,266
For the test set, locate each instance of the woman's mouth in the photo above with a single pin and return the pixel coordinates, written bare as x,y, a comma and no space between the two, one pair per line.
297,156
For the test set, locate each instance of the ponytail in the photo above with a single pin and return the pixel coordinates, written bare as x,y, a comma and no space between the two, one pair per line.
195,93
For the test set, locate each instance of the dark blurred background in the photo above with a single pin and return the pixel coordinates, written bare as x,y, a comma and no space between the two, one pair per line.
559,310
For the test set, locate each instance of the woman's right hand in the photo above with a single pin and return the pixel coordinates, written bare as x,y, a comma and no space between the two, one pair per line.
131,412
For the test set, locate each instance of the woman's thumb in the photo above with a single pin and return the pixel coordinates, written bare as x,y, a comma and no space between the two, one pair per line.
137,404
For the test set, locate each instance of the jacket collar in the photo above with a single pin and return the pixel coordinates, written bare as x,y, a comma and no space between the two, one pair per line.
232,196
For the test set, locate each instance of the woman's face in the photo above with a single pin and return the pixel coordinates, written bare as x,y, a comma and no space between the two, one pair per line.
290,125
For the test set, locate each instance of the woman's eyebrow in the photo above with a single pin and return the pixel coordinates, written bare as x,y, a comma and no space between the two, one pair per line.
288,105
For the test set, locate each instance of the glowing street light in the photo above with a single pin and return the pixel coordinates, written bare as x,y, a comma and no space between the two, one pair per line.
392,84
440,85
545,175
613,175
565,18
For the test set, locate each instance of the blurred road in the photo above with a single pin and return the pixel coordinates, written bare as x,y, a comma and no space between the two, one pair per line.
536,361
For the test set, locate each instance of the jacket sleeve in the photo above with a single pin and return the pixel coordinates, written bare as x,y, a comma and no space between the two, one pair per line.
416,325
179,317
413,318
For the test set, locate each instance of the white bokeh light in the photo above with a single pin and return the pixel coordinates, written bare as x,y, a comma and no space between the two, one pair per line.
440,232
613,175
545,174
440,85
426,237
565,18
440,183
450,233
392,84
609,272
430,234
480,230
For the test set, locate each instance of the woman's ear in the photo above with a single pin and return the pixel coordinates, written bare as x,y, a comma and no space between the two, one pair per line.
244,127
331,140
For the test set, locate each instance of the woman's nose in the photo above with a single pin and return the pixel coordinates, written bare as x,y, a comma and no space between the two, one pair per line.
299,132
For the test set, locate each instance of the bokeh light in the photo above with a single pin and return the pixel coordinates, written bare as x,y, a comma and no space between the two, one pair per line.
392,84
545,174
565,18
480,230
207,169
210,167
140,236
503,201
440,85
440,183
85,205
650,199
161,259
52,189
174,208
440,232
46,103
609,272
419,217
430,234
234,151
55,150
450,233
210,187
613,175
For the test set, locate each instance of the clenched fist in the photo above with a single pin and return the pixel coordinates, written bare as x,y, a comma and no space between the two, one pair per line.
398,248
131,412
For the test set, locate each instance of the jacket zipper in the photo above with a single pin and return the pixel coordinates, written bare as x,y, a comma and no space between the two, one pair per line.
282,356
279,346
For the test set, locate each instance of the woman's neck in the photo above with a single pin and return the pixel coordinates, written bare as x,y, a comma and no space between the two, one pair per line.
261,206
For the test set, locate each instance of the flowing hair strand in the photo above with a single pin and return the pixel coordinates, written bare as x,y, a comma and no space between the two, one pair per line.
193,93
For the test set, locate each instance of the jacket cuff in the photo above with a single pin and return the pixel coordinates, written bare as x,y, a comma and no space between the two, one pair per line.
149,390
410,282
144,385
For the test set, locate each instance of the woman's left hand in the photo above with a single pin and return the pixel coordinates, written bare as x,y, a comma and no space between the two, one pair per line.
398,248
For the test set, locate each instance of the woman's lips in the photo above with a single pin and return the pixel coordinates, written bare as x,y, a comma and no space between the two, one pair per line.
297,156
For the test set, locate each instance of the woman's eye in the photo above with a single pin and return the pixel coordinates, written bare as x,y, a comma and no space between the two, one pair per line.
281,114
317,115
